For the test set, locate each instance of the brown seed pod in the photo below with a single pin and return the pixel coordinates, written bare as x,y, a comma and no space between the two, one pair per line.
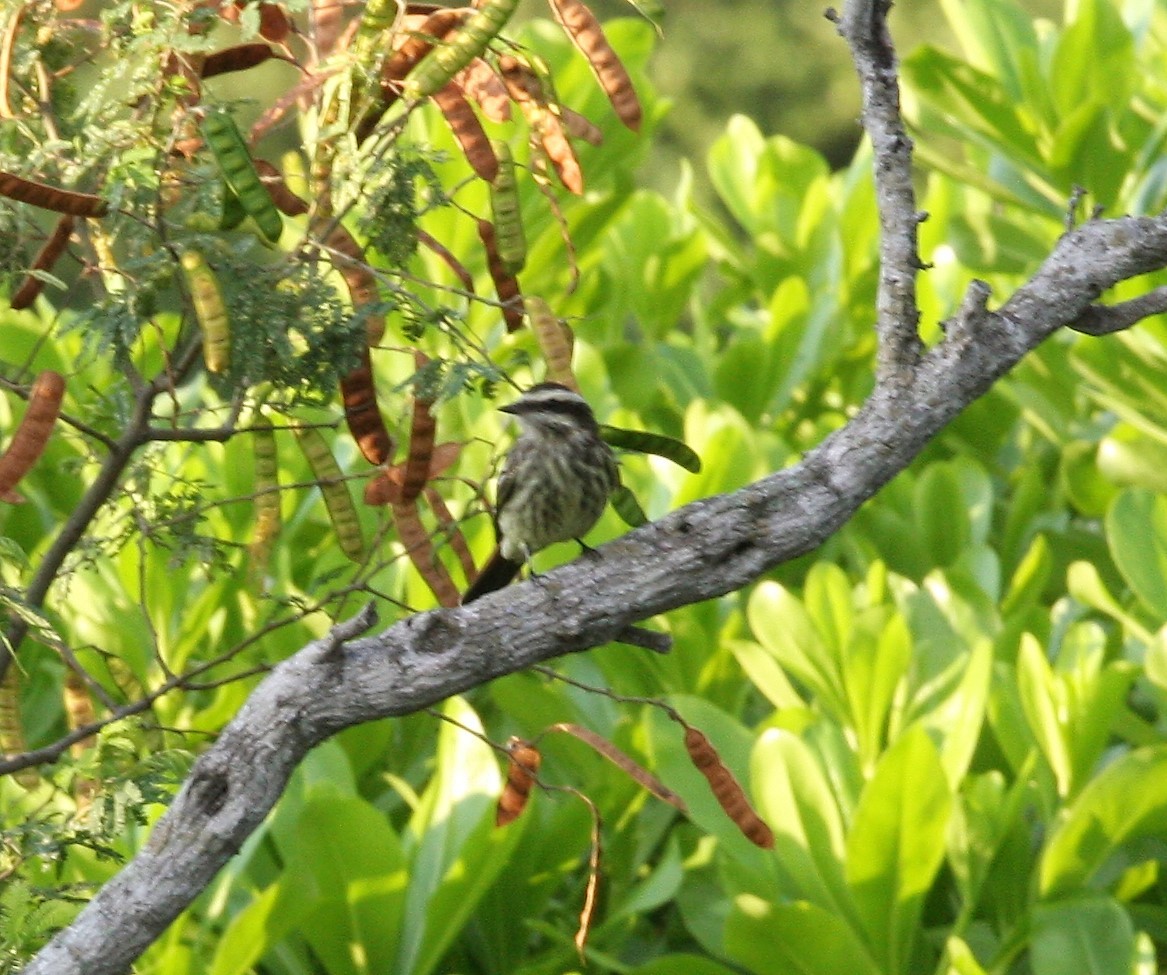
32,434
727,789
238,58
419,547
7,45
51,197
481,85
449,526
421,444
385,486
468,131
505,283
417,43
523,761
547,128
47,256
586,33
464,277
285,200
348,258
631,768
12,741
362,414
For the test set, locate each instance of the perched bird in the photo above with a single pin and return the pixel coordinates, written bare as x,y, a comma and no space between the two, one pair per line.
554,485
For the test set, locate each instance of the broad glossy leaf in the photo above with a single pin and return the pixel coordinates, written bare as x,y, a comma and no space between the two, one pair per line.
795,798
1126,801
1090,935
896,845
1136,528
794,939
1043,699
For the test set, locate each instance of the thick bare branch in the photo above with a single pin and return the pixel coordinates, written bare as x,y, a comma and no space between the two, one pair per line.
864,27
703,550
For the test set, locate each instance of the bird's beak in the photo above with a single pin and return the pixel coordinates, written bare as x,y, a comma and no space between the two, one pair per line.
511,408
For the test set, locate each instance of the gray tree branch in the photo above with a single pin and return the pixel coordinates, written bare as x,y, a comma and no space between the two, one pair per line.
701,551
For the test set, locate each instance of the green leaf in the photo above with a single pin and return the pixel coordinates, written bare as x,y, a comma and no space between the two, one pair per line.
793,939
646,442
896,845
1136,531
1123,803
1091,935
1043,699
784,627
795,799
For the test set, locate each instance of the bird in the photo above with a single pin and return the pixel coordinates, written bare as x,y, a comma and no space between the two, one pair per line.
555,482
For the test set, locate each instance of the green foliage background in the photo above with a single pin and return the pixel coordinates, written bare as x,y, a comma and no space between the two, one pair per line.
952,715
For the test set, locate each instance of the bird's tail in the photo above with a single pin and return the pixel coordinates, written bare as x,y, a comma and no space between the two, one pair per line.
494,575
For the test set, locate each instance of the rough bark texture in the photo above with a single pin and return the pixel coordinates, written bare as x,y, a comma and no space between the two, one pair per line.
708,548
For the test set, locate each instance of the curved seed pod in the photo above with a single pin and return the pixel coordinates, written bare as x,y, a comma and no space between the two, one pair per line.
232,214
419,547
348,258
480,84
363,416
464,277
581,127
440,65
235,164
624,503
449,527
268,519
421,449
638,773
547,129
32,434
285,200
51,197
504,207
728,791
7,45
554,341
468,131
415,46
210,311
238,58
385,486
523,761
339,503
643,442
12,740
505,283
45,259
586,33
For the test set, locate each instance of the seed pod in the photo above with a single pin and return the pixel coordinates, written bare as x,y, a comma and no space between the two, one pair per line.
51,197
268,519
26,294
12,741
421,449
210,311
440,65
728,791
339,503
416,46
239,171
586,33
522,766
468,131
363,415
419,546
505,284
480,84
624,503
644,442
32,434
238,58
504,207
555,341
